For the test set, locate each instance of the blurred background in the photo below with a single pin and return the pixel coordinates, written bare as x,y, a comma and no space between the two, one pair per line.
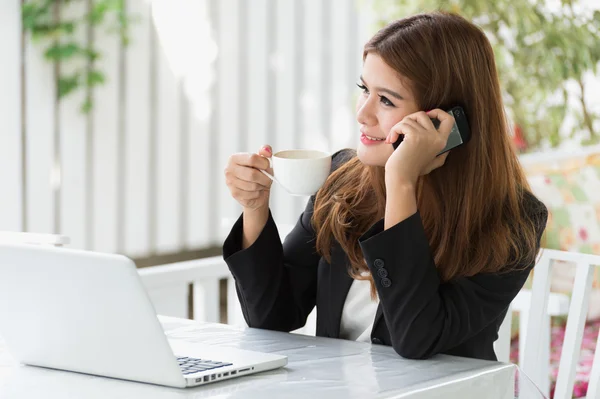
118,116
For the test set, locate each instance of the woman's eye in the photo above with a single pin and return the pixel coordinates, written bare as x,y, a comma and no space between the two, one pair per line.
363,88
385,101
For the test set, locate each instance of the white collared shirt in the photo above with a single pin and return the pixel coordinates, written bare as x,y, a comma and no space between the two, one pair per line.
359,312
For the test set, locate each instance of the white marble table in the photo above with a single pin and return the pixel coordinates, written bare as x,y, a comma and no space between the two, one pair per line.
318,368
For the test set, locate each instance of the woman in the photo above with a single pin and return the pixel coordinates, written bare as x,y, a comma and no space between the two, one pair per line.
402,248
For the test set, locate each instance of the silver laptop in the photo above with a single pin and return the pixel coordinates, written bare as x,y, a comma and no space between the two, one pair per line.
88,312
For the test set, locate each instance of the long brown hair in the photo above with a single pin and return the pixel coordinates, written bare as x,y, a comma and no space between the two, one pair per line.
472,207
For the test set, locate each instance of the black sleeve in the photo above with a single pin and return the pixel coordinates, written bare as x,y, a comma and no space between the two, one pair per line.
425,316
277,284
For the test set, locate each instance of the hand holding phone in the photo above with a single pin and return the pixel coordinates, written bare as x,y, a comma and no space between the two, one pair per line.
459,135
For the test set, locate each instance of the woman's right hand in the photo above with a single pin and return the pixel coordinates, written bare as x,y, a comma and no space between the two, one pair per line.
247,184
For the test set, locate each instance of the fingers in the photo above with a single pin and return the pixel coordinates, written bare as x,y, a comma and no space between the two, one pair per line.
415,125
265,151
403,128
422,119
419,121
250,160
246,185
245,179
243,171
446,120
248,194
249,174
247,167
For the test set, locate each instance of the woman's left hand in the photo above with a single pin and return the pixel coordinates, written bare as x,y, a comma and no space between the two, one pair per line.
418,153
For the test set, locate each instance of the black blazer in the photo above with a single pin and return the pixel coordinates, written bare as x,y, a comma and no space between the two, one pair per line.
418,315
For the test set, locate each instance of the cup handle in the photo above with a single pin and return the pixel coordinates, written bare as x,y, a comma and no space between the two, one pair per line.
271,167
268,174
273,177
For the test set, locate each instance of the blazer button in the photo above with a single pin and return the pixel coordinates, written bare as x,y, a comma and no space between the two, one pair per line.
376,341
378,263
382,273
386,282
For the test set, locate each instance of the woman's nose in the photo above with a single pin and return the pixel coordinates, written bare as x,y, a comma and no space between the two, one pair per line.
365,114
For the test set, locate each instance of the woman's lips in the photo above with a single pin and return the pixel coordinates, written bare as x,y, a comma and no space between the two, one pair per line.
368,141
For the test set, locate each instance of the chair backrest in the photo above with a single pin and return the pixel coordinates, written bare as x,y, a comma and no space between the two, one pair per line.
56,240
575,322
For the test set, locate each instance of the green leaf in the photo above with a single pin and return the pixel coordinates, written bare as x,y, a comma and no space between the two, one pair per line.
95,77
91,54
66,27
98,12
67,84
39,20
87,105
32,13
58,51
52,30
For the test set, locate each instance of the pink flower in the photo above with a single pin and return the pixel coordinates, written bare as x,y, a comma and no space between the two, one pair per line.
580,389
583,234
584,365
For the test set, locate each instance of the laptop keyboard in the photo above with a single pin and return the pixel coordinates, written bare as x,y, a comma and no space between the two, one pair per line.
190,365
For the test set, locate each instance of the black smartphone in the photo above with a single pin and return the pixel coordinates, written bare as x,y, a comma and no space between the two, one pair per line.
459,135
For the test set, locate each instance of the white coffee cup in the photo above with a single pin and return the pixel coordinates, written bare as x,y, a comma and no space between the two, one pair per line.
300,172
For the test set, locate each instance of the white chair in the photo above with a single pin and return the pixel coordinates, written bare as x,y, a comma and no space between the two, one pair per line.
34,238
167,286
558,305
534,363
